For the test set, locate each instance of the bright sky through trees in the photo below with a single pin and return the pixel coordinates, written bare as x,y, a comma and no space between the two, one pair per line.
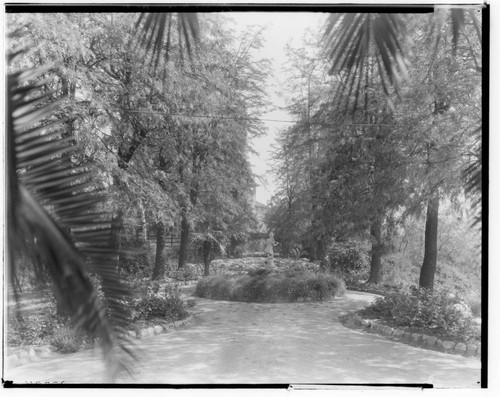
280,28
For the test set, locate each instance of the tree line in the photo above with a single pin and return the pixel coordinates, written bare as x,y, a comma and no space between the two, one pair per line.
118,120
105,138
172,151
370,149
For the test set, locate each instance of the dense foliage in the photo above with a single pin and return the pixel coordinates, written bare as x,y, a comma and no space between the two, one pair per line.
265,285
149,303
345,257
165,308
439,311
365,158
385,145
67,340
156,300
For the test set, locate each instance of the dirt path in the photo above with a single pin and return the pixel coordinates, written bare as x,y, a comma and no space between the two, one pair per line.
234,342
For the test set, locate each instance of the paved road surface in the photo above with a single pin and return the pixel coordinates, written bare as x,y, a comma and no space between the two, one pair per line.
233,342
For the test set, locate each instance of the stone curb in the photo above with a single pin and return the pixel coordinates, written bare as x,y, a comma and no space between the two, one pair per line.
159,329
353,320
181,283
33,354
27,356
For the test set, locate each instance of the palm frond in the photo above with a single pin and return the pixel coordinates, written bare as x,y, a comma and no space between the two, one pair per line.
201,237
154,34
473,176
475,23
53,206
457,21
353,42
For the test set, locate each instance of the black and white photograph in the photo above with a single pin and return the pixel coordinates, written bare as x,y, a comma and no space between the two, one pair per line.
231,195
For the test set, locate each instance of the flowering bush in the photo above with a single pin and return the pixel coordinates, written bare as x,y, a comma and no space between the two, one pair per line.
423,308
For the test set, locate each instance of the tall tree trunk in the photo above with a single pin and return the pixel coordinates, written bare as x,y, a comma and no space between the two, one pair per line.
116,230
313,252
428,269
377,249
184,241
285,249
159,267
207,247
183,249
315,223
313,241
142,238
143,229
320,249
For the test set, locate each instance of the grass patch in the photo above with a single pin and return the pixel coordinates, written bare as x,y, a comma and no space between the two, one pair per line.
265,285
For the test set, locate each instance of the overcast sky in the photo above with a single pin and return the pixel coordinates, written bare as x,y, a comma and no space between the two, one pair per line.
281,28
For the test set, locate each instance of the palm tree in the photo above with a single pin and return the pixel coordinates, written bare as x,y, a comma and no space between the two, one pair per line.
53,206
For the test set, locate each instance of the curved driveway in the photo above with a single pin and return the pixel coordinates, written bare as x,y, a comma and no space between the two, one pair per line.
234,342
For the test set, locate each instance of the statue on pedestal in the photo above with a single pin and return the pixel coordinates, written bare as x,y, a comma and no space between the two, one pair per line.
269,250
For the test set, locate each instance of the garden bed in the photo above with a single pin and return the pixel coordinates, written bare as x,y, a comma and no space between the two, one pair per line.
431,318
35,328
421,337
241,266
249,280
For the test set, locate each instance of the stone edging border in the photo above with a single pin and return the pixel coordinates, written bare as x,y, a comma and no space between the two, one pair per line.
158,329
178,283
33,354
353,320
24,357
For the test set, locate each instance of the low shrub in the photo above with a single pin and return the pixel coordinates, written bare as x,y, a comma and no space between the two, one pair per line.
190,271
379,289
35,328
298,251
265,285
397,269
347,260
436,310
239,267
166,305
66,340
260,272
475,307
138,262
254,254
153,306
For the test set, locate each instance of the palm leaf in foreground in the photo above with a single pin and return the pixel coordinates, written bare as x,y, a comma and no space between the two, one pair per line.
357,43
155,33
52,206
473,175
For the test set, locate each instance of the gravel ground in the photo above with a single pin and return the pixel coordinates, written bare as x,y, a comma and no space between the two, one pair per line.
234,342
